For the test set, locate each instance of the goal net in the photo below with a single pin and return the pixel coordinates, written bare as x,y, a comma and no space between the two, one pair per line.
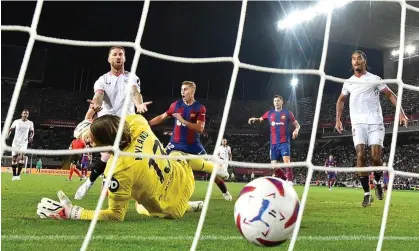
234,59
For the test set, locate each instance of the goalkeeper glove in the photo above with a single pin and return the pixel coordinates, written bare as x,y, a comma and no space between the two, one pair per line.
62,210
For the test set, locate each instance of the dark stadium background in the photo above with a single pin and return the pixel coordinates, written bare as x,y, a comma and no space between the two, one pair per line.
60,78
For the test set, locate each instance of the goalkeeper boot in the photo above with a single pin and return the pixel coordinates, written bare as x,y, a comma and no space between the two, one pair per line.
227,196
195,206
83,189
367,200
379,192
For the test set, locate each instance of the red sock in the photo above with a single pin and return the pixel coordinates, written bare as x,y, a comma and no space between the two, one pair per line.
289,174
280,174
221,185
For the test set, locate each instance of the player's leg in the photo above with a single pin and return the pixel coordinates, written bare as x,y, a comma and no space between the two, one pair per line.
359,134
285,152
275,156
14,164
201,165
21,161
375,139
97,168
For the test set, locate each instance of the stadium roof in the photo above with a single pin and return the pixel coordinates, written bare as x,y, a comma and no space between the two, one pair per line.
367,24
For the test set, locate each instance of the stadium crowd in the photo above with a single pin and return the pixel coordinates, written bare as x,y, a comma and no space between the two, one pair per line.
249,143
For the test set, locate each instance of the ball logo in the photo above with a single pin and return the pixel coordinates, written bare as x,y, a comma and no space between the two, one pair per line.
113,185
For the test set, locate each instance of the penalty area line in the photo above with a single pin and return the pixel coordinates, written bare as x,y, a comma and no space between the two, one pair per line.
189,238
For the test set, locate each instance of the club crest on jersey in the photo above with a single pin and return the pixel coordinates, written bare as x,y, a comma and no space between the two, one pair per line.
283,117
192,115
113,185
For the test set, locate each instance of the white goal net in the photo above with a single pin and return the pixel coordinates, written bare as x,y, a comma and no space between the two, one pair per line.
136,45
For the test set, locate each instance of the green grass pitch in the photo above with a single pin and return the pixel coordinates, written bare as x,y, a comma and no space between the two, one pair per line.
332,221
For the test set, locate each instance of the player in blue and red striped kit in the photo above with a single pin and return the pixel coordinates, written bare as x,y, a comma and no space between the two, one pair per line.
279,120
331,175
189,117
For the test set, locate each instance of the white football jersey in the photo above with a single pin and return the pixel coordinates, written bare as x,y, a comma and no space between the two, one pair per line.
21,131
224,152
115,88
364,101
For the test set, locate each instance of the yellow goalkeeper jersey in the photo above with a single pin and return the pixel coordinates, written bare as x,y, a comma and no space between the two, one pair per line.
162,186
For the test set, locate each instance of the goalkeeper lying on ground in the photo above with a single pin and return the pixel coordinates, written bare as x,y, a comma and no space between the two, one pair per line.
162,187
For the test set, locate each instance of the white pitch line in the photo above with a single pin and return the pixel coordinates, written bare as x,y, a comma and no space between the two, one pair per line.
203,238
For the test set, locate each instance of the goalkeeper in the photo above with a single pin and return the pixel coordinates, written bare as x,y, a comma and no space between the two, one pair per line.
162,187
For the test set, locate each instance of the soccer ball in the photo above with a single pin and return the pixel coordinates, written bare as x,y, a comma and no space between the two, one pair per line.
82,128
266,211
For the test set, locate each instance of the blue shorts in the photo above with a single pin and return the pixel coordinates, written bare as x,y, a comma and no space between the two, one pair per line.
85,164
385,181
331,175
278,151
196,148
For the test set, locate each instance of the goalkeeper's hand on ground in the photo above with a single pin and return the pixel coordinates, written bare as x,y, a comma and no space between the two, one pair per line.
62,210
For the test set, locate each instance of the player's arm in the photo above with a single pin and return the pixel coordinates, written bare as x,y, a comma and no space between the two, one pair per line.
260,119
97,100
200,123
118,201
12,127
230,155
393,99
31,132
137,98
160,118
295,124
340,104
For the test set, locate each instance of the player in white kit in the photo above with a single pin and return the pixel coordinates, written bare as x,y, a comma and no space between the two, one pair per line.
224,152
24,133
110,93
366,119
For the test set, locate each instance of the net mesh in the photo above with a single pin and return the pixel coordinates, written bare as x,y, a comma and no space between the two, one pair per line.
34,36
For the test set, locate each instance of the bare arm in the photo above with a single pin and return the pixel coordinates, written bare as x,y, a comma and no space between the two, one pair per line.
296,125
95,104
158,119
392,98
340,104
197,127
136,96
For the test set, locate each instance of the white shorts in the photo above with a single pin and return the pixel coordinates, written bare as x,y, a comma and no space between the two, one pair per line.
368,134
22,147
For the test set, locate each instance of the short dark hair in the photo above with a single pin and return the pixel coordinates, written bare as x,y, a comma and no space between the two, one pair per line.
278,96
116,47
25,110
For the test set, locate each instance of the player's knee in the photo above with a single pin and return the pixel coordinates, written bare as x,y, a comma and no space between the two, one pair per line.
362,174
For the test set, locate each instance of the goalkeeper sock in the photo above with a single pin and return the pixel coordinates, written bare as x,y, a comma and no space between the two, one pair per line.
19,169
14,166
364,183
221,185
97,169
